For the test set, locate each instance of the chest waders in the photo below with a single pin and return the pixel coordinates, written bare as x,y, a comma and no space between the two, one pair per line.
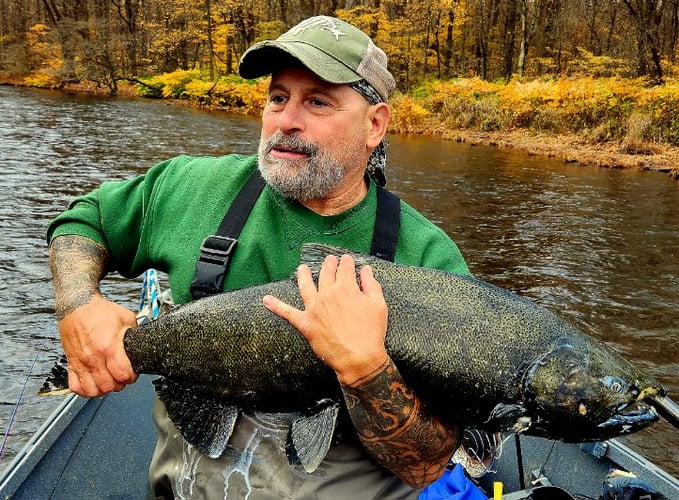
216,251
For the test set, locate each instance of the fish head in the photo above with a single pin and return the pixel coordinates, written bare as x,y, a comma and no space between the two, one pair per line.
588,394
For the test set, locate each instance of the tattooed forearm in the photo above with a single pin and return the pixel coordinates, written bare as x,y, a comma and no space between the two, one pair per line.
397,429
77,265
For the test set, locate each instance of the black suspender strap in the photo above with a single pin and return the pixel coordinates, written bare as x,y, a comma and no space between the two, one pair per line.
216,251
387,225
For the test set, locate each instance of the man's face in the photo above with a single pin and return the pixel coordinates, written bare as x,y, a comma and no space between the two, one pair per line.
313,135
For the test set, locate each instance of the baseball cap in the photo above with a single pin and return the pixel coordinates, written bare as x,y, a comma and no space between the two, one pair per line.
334,50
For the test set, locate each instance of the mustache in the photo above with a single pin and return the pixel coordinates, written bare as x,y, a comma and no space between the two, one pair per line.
279,139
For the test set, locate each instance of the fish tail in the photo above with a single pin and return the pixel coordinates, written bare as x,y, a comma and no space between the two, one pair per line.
153,302
56,383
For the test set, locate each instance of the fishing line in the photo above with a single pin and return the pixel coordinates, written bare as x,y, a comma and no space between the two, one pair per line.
16,407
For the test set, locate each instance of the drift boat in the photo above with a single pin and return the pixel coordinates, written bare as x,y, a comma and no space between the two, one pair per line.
101,448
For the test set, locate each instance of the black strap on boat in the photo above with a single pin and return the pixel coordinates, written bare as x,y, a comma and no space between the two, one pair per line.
215,251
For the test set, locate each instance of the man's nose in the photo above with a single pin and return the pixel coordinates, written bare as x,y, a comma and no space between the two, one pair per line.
291,118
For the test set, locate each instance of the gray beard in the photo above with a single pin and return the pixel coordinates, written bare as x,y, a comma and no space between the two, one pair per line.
314,177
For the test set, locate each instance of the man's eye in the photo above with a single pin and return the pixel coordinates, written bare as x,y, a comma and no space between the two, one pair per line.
277,99
318,102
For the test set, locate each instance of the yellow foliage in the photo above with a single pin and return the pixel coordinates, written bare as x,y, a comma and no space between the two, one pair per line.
240,95
174,84
407,116
42,53
599,108
39,29
197,88
268,30
586,63
42,80
230,92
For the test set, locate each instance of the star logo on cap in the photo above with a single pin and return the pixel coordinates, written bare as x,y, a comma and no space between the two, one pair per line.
320,22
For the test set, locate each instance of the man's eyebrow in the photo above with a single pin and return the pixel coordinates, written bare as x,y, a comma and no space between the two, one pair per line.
311,89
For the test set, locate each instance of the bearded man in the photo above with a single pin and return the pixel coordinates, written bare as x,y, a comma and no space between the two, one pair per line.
318,177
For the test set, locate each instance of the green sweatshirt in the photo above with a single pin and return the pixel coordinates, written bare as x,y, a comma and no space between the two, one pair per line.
160,219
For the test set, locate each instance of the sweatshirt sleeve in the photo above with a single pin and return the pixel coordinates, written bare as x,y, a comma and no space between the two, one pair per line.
114,215
422,243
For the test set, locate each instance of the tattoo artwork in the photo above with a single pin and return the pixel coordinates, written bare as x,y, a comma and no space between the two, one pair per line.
77,264
397,429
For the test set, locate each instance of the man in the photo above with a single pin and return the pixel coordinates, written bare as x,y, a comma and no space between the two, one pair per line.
322,129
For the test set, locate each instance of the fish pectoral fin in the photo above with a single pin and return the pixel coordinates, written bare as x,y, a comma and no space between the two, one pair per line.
509,417
204,421
310,436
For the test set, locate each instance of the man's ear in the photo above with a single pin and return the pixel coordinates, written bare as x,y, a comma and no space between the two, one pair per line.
379,115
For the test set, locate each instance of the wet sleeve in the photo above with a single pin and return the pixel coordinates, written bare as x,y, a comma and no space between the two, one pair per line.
114,215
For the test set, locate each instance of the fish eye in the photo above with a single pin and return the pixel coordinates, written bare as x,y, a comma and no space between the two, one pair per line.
615,384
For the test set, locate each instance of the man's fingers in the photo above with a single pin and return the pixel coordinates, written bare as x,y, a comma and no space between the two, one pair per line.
346,270
84,384
327,275
121,370
283,310
369,284
118,364
74,383
305,283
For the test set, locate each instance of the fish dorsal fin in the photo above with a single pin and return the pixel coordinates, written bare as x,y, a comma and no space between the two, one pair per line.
310,436
313,255
207,425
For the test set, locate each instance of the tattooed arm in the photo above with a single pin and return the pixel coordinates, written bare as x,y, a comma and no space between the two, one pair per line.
91,327
346,325
397,429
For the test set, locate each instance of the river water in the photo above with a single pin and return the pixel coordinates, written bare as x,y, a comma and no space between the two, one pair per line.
599,246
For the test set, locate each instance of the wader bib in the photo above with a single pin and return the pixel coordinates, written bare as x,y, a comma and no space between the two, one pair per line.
179,471
215,251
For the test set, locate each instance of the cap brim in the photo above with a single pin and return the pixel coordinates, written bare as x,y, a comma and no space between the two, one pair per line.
264,58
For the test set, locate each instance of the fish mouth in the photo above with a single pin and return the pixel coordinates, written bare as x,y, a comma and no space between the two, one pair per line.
631,419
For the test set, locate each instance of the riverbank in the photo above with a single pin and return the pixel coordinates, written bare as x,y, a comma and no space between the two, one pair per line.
569,147
573,149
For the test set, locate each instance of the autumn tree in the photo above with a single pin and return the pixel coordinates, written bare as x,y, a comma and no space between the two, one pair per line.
109,40
647,16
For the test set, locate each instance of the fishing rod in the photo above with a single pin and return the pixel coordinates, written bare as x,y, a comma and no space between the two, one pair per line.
12,418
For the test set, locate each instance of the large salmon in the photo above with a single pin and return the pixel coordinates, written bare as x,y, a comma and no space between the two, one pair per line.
476,354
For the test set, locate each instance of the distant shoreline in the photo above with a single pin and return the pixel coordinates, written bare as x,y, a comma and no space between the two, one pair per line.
572,149
568,148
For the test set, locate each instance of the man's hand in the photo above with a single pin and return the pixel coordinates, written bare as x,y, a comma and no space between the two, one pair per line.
91,327
345,325
92,338
344,322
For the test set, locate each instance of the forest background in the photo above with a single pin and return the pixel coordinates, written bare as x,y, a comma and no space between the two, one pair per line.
595,82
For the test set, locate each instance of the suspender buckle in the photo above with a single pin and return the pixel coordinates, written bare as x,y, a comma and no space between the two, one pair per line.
217,249
212,265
